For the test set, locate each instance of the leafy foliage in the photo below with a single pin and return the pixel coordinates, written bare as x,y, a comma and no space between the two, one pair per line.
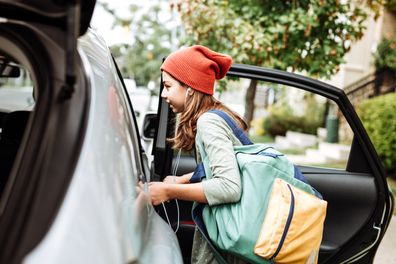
153,41
307,36
391,4
281,119
299,35
379,118
385,56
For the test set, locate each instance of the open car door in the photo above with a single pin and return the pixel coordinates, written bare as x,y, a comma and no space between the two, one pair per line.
354,185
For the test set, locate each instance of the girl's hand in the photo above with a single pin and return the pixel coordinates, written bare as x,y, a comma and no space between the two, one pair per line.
173,179
178,179
158,192
170,179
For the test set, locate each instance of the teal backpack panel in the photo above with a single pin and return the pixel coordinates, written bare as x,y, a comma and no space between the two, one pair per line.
235,227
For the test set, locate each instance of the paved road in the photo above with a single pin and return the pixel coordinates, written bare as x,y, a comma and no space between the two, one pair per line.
386,253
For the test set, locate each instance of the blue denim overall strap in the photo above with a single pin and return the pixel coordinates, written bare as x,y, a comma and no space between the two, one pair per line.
238,132
199,172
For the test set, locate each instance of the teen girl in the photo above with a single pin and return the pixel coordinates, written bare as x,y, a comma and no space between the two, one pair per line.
188,78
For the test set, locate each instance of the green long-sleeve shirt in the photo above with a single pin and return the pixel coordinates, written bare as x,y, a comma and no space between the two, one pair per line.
225,185
218,141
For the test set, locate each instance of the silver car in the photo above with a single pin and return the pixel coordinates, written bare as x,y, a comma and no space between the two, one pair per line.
70,150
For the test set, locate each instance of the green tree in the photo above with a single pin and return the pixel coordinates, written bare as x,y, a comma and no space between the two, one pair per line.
152,41
391,4
385,56
311,37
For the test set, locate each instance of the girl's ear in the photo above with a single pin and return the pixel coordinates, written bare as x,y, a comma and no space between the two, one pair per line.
190,91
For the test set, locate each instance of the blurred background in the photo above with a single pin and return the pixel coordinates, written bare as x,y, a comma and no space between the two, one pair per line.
348,44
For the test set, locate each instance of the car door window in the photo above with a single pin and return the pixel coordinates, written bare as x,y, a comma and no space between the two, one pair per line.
310,129
132,133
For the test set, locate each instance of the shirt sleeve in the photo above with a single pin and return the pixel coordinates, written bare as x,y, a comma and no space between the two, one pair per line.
225,185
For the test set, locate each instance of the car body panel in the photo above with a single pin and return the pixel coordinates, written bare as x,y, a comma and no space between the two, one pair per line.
112,207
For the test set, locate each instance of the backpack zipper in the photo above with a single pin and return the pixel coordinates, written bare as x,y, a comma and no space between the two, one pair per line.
288,222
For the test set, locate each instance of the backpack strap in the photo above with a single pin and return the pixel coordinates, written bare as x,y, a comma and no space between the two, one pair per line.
199,173
238,132
198,219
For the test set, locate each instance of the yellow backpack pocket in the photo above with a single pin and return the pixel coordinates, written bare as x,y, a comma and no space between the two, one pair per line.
293,226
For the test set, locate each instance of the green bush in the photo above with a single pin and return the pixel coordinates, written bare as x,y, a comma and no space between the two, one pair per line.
379,118
391,4
385,56
278,123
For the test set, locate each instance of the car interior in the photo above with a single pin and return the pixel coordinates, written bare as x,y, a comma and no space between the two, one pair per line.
16,104
12,130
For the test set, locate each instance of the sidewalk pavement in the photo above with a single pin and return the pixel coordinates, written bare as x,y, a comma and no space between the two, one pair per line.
386,252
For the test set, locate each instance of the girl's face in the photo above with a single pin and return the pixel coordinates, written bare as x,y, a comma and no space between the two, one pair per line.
174,93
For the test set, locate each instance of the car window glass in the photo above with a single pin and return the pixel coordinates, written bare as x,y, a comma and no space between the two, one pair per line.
16,93
310,129
132,133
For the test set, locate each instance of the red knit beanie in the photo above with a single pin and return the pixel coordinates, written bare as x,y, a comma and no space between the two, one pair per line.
198,67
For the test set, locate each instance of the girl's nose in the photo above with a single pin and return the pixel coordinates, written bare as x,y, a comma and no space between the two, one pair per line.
163,93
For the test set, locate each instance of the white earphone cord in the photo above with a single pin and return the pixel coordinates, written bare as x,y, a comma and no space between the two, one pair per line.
174,171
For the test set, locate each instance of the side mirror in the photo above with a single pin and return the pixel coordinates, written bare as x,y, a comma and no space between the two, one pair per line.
150,124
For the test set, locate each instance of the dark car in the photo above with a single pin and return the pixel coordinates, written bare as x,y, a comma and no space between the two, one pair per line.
349,175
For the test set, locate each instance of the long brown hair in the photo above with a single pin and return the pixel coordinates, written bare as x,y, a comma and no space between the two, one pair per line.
196,105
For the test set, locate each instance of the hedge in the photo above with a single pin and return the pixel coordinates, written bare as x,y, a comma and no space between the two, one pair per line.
277,124
379,118
385,56
281,119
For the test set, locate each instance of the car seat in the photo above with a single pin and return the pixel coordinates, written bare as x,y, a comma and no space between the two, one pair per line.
13,128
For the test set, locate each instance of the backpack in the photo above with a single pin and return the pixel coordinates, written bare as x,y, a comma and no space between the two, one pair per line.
279,217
